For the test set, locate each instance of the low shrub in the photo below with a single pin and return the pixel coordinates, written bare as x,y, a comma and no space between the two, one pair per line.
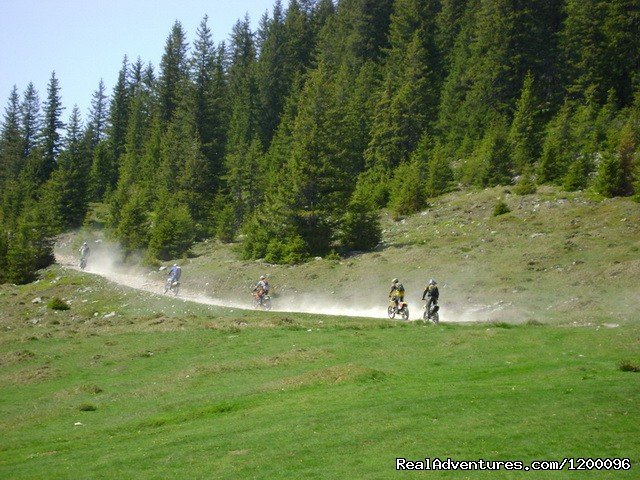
500,208
56,303
627,366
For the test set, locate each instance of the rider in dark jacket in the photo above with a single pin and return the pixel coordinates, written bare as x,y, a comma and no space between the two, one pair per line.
432,294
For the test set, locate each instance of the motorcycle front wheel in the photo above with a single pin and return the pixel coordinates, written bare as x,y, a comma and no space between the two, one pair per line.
266,304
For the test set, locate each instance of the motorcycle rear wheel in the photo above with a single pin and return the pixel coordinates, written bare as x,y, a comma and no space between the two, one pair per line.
391,312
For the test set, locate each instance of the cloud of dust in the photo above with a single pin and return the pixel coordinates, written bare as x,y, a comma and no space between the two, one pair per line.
106,261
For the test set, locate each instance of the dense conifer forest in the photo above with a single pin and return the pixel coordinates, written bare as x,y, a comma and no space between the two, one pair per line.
291,138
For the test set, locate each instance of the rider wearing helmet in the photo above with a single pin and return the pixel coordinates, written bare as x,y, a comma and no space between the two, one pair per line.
397,292
175,272
84,251
432,294
84,254
262,288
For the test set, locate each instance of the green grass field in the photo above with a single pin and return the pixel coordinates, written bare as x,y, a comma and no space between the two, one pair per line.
127,384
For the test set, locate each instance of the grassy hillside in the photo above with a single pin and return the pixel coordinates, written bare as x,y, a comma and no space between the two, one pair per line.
557,257
135,385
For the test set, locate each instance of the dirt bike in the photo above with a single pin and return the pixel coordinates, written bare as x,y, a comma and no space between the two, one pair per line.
402,309
83,263
172,285
432,314
261,301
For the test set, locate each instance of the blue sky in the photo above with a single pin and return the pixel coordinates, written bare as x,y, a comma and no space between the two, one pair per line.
85,40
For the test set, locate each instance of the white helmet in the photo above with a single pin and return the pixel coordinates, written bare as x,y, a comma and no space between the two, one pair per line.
175,264
262,277
84,243
432,282
395,280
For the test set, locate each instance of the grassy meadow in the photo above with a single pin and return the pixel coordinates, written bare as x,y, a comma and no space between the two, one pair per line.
129,384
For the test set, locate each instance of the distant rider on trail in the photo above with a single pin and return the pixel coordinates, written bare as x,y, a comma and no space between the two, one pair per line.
261,289
397,292
174,273
84,254
432,294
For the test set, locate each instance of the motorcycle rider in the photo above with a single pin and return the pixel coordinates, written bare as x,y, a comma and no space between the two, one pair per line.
432,294
174,273
84,252
261,289
396,294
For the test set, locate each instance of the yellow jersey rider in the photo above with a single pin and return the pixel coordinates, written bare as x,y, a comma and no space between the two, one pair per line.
397,292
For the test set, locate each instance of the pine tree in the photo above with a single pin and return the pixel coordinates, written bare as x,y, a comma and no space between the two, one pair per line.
133,227
119,113
173,231
273,86
439,172
209,104
359,227
577,176
52,124
616,172
30,247
65,193
30,120
523,135
407,189
98,116
243,126
173,72
11,139
490,164
556,157
103,174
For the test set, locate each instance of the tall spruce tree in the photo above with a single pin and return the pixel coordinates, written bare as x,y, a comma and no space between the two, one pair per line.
173,72
52,124
98,116
209,104
64,195
523,134
30,119
556,157
11,139
119,113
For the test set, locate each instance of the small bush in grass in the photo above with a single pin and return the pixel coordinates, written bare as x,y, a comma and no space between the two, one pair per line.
87,407
501,208
333,256
526,185
56,303
534,323
501,325
93,389
627,366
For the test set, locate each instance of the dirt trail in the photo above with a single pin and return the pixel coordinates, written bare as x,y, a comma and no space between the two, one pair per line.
105,265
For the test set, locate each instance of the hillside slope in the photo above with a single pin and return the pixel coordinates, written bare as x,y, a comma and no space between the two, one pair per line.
556,257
